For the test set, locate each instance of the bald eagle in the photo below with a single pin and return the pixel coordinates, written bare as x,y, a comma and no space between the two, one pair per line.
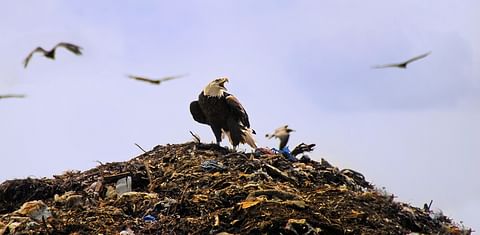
223,113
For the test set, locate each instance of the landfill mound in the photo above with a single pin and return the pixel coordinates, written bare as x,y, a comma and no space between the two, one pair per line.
196,188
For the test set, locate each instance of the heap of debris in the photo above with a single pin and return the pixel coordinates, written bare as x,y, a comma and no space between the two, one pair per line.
205,189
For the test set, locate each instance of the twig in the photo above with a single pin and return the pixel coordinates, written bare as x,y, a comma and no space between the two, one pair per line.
195,137
140,148
430,204
426,207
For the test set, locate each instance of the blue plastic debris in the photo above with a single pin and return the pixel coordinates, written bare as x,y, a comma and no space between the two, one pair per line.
149,218
286,153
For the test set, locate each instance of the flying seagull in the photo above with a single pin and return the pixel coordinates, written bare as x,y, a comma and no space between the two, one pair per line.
402,65
11,96
51,53
155,81
223,113
283,134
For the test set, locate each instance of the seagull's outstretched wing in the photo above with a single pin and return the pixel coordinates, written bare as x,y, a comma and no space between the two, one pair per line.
417,57
26,60
71,47
11,96
172,77
387,66
277,132
144,79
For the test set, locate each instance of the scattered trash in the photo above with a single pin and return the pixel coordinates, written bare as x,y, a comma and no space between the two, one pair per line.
212,166
36,210
302,148
124,185
96,187
3,227
264,151
69,199
12,227
305,159
196,188
111,193
149,218
127,231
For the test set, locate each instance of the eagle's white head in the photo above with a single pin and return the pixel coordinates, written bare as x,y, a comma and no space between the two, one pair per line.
216,88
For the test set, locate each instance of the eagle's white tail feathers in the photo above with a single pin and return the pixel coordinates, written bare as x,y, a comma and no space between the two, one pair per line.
248,137
227,133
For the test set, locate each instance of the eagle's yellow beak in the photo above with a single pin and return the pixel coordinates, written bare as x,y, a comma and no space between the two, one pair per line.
222,82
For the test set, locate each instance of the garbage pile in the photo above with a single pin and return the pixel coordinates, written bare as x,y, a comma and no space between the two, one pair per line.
196,188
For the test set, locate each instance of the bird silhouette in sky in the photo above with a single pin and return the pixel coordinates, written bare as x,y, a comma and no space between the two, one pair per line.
51,53
11,96
155,81
402,65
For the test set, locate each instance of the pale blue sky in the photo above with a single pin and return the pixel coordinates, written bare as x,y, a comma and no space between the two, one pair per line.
303,63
